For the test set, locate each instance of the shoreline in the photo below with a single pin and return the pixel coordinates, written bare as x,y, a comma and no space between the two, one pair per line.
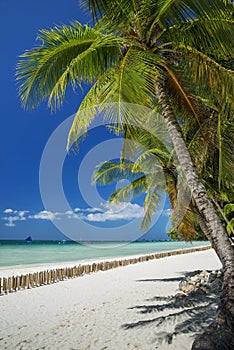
27,255
9,271
129,308
14,281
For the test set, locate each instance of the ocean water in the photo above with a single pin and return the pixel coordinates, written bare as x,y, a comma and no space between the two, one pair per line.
13,253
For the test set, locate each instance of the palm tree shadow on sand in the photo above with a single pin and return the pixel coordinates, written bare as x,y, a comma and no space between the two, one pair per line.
176,315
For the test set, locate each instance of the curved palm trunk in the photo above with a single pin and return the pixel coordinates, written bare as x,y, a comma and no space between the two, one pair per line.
202,223
220,334
193,206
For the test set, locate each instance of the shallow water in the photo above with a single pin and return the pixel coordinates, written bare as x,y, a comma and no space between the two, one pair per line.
13,253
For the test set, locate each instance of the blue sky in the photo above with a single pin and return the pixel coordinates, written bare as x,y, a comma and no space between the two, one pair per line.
24,136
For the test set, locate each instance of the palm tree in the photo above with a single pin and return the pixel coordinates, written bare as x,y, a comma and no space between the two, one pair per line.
163,53
151,172
151,155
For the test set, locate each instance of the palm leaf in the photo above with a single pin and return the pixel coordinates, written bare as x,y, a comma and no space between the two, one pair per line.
67,54
230,227
115,89
108,172
130,191
87,110
174,12
180,91
150,207
228,208
210,78
218,32
119,12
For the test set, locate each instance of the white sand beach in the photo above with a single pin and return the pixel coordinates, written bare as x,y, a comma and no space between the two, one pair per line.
130,307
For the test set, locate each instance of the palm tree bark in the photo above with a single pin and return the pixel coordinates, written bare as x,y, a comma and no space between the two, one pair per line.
201,221
220,333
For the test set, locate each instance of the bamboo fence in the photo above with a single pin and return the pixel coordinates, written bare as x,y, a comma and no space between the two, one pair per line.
37,279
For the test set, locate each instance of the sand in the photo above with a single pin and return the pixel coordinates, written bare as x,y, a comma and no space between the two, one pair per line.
131,307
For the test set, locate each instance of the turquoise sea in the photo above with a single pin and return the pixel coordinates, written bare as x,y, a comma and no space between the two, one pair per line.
13,253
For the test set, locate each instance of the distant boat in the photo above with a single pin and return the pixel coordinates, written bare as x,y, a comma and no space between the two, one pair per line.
28,239
62,242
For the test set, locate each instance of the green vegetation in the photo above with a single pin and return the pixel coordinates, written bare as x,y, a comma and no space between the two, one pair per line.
153,172
171,56
176,236
229,213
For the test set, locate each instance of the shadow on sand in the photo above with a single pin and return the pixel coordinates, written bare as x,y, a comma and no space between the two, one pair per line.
175,315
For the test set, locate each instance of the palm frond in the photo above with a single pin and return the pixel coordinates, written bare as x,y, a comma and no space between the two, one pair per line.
151,203
213,154
228,208
130,14
130,191
173,12
218,31
210,78
96,7
150,161
87,110
171,185
149,133
136,69
187,230
116,92
67,54
230,227
178,92
109,172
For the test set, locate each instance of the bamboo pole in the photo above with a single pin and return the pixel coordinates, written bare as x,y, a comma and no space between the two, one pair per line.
27,282
9,284
4,285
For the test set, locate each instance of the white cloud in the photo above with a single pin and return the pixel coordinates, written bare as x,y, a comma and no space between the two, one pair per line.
92,210
10,224
22,213
73,215
44,215
15,216
126,211
8,211
87,210
10,220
